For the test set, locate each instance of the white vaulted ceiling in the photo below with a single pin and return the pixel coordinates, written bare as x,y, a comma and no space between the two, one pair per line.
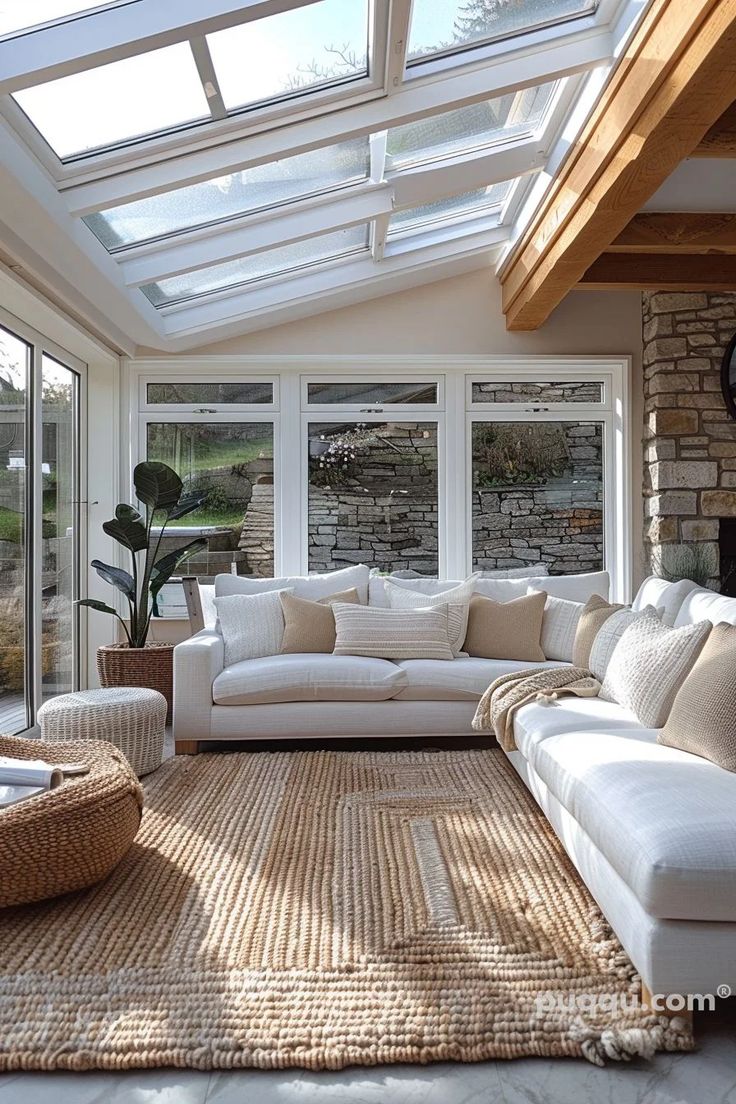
183,170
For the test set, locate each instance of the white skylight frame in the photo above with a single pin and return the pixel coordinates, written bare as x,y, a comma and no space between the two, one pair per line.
563,53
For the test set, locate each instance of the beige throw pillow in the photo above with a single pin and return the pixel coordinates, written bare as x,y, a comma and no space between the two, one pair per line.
310,626
595,612
392,634
703,716
506,630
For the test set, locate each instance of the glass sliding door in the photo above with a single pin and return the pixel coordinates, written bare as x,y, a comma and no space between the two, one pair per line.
39,529
16,358
59,527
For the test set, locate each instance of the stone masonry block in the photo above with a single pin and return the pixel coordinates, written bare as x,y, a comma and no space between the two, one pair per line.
673,422
674,502
691,474
700,530
718,503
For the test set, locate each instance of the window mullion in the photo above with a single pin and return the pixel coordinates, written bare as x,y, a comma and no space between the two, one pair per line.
208,76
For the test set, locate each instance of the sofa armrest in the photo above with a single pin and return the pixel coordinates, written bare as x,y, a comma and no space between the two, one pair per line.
197,663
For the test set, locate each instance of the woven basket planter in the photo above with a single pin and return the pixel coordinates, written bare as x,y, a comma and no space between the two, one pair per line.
152,667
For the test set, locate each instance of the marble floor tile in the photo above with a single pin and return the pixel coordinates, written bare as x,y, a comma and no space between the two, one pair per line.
443,1083
164,1086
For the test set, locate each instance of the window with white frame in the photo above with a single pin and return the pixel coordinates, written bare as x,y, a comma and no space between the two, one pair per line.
417,464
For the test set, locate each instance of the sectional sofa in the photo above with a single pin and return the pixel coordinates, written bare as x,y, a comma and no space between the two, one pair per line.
652,830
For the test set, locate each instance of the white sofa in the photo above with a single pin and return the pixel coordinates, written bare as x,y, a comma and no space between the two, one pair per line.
651,830
305,695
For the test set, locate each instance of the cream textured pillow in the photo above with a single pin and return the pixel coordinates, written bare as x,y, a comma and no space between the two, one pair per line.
559,626
650,663
310,626
506,630
252,625
392,634
457,599
609,634
703,716
595,613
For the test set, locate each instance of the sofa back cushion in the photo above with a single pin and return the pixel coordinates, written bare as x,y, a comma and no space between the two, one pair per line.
313,587
663,595
576,588
506,630
310,626
705,605
392,633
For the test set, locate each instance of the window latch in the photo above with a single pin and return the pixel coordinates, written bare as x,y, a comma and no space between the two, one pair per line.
371,410
205,410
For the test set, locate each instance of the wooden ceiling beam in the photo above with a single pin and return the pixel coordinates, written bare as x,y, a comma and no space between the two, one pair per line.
677,232
674,79
720,140
636,271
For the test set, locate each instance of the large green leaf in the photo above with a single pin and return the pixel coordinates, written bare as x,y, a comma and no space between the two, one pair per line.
165,567
94,604
157,485
187,505
127,528
116,577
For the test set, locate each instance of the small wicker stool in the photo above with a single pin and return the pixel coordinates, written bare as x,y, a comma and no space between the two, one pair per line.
131,718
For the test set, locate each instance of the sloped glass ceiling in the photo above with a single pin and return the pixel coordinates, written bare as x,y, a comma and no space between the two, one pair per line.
443,26
136,96
21,15
467,128
482,200
259,266
315,132
295,50
226,197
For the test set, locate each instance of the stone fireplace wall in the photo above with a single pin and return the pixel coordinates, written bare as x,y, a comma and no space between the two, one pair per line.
689,437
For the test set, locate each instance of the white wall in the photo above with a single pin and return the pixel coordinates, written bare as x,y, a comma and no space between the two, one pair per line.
463,315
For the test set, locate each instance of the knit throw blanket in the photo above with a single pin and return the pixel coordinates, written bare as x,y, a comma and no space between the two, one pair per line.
506,695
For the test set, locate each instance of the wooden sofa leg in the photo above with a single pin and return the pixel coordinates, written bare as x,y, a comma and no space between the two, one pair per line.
186,747
662,1009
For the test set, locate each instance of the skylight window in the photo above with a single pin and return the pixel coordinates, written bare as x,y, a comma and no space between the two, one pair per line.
429,215
280,55
24,15
226,197
259,266
444,26
119,102
468,128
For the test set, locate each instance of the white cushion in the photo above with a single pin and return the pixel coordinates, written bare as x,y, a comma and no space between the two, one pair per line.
663,595
578,588
307,677
529,571
457,599
251,625
664,819
609,634
705,605
649,664
538,721
313,587
457,680
559,625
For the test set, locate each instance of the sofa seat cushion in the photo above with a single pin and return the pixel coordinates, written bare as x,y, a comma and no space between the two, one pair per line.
664,819
461,679
536,722
307,676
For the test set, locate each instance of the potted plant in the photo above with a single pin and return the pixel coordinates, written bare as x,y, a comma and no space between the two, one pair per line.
137,661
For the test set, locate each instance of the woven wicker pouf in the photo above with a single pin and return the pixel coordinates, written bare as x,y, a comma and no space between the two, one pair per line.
131,718
73,836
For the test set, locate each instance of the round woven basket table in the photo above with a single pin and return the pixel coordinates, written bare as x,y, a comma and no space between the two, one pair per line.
73,836
130,717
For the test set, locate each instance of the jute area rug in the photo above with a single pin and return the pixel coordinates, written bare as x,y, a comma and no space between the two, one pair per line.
322,909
